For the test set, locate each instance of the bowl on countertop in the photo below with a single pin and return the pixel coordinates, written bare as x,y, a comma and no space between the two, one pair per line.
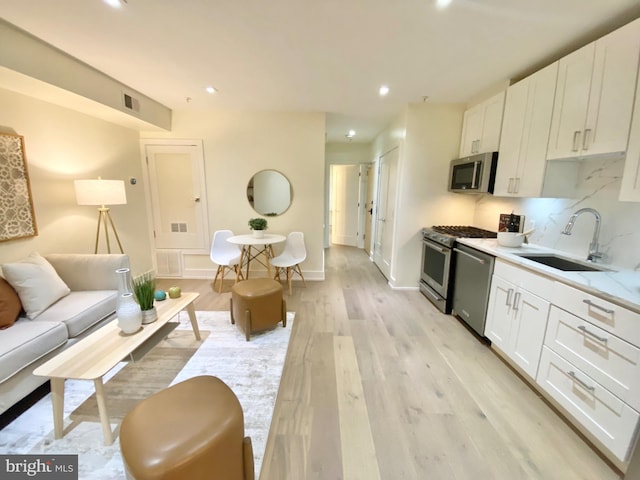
510,239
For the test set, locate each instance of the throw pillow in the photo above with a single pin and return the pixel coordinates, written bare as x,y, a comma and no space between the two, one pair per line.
36,282
10,305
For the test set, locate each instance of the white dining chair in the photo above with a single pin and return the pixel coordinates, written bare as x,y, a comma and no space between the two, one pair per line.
226,255
292,256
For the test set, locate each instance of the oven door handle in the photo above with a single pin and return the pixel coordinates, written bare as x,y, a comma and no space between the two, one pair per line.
479,260
433,247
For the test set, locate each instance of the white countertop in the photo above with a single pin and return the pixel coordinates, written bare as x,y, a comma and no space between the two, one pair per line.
618,286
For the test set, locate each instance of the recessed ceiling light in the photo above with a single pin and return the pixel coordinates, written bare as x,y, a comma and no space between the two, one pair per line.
211,90
383,90
115,3
351,134
442,3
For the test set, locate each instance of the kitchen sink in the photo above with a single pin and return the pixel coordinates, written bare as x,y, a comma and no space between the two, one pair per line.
563,263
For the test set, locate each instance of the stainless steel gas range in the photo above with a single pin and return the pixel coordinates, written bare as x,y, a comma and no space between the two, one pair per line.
436,278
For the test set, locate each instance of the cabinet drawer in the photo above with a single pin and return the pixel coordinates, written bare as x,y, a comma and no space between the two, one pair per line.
537,284
612,362
603,314
605,416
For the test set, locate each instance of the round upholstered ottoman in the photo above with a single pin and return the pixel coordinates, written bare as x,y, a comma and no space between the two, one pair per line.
192,430
257,304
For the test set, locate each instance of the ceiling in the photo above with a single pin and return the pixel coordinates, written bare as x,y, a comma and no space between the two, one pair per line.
323,55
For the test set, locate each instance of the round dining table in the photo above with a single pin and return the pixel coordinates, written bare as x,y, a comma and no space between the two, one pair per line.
253,248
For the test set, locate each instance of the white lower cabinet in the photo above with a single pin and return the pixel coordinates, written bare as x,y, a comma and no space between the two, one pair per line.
611,361
582,351
591,366
516,317
605,416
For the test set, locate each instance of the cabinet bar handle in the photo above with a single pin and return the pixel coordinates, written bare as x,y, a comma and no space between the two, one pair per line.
516,300
595,305
510,187
585,140
517,186
573,375
508,301
576,140
584,329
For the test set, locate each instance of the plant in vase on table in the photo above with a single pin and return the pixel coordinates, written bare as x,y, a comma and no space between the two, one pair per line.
144,286
258,225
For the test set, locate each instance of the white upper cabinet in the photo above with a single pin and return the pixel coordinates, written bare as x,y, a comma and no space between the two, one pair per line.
594,96
630,187
525,134
481,126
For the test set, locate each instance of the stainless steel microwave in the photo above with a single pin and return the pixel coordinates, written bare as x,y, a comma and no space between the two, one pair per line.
474,174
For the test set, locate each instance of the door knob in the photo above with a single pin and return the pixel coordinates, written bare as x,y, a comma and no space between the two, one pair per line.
197,199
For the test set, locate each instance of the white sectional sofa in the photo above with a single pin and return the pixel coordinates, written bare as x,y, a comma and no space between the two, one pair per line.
88,302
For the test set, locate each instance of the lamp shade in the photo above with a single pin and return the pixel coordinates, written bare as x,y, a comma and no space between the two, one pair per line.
100,192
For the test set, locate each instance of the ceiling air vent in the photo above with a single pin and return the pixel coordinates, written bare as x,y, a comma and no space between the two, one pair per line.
130,103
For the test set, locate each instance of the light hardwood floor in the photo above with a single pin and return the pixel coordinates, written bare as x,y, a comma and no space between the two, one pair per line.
380,385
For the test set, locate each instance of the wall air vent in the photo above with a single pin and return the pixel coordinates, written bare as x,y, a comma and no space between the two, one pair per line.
179,227
130,103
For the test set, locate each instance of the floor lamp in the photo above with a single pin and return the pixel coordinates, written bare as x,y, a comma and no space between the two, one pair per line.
102,192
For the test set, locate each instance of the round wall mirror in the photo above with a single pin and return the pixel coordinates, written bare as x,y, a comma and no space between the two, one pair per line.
269,193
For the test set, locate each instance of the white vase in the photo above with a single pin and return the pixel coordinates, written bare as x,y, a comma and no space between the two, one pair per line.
258,234
129,313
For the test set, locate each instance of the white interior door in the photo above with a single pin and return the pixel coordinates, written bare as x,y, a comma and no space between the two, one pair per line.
368,214
178,196
385,213
345,186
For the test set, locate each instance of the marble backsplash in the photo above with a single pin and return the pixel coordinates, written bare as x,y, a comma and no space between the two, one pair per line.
597,186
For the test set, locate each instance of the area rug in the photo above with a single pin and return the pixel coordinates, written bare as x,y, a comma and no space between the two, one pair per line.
251,369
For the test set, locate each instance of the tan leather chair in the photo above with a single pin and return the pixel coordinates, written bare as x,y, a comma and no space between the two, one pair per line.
257,304
193,430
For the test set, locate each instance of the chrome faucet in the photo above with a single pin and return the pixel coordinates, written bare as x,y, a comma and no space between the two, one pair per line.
594,254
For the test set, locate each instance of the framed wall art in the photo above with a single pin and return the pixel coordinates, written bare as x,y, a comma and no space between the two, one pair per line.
17,218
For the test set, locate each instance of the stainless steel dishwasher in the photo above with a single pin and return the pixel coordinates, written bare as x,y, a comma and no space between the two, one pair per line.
471,284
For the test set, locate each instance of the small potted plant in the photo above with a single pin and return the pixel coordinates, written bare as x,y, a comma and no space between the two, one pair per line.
144,287
258,225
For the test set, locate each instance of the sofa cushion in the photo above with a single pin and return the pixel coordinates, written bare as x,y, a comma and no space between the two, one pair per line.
81,310
10,306
27,341
36,282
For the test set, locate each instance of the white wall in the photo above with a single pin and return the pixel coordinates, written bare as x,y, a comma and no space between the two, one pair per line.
239,144
428,138
61,146
432,141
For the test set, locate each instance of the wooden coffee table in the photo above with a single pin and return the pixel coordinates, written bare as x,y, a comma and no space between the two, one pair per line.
92,357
